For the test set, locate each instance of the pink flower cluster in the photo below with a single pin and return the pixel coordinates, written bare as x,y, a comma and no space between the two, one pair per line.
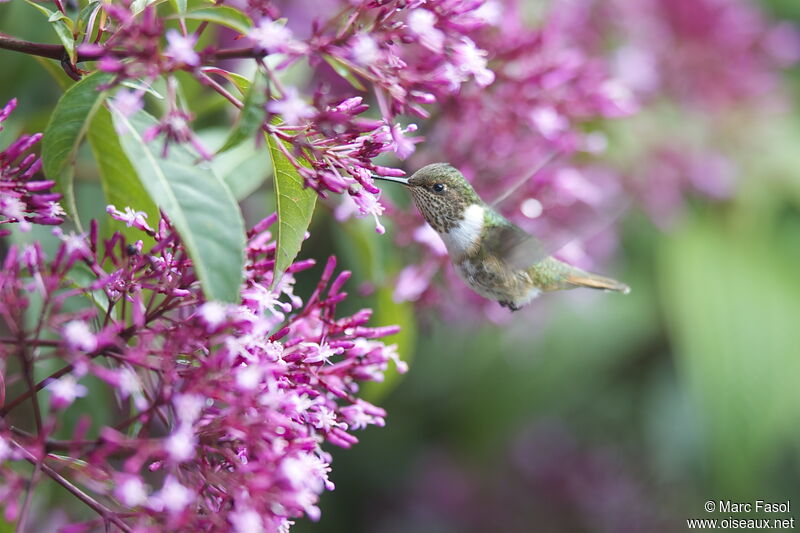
220,411
407,53
707,54
24,200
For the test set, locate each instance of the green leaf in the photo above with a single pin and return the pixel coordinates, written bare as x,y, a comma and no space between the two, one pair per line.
242,83
344,71
295,207
227,16
198,203
142,87
65,132
243,168
120,182
54,69
82,277
137,6
82,21
251,117
180,6
63,27
58,15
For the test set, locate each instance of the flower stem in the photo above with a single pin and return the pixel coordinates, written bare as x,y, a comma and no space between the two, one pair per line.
57,52
26,505
205,79
107,514
53,51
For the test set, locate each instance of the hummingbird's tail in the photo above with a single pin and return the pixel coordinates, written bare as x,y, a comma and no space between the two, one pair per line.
593,281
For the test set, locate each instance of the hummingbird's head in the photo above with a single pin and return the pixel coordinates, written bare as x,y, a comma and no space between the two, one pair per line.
442,195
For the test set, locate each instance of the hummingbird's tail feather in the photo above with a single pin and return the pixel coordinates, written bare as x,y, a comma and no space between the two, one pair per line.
593,281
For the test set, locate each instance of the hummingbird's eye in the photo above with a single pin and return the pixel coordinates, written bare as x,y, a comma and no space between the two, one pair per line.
438,187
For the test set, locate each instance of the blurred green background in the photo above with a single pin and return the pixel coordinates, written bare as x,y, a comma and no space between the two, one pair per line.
596,413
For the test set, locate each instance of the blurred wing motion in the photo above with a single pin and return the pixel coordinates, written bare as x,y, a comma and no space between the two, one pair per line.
525,179
520,249
512,244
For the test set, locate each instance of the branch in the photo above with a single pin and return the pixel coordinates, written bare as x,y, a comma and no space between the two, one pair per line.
57,52
107,514
53,51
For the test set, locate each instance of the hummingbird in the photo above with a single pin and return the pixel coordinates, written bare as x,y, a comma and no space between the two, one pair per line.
495,258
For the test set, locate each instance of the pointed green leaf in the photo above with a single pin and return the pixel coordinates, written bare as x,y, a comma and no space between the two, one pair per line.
198,203
137,6
63,27
65,132
295,207
251,117
227,16
120,182
85,14
344,71
63,81
243,168
142,87
180,6
242,83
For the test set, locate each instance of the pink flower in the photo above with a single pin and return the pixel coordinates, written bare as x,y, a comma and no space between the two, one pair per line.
181,49
213,314
422,23
368,204
292,108
549,123
244,404
270,36
180,445
364,49
24,200
64,391
127,102
412,281
404,146
131,491
75,243
246,521
471,61
79,336
131,218
173,497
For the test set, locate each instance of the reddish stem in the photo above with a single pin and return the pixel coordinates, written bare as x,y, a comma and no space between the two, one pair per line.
56,51
107,514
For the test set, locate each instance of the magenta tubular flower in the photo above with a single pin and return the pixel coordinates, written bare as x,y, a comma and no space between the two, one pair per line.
24,200
227,408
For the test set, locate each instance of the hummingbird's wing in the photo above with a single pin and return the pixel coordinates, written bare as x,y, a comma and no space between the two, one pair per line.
512,244
519,249
525,179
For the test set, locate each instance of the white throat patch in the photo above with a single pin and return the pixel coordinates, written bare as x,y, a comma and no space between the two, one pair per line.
464,236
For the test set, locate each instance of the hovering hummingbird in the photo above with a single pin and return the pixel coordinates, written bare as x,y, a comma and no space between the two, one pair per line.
497,259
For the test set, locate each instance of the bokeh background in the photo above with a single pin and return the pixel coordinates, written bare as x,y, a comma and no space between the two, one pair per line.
589,412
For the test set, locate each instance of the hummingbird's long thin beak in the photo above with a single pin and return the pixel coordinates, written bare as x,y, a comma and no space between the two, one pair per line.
402,181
